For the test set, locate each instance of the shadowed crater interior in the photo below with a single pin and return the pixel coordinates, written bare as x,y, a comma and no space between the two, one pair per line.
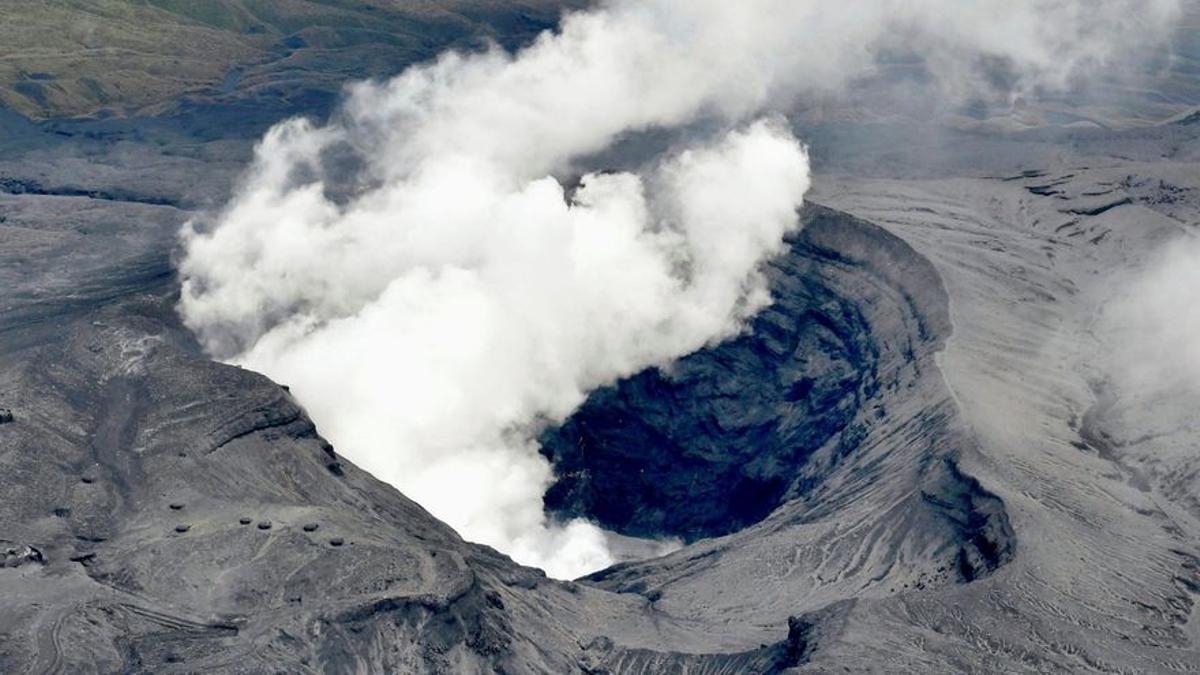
719,439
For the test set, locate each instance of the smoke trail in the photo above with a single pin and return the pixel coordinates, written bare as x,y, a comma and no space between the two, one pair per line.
1152,325
432,296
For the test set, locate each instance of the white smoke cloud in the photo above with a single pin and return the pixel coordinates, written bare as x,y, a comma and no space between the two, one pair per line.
433,296
427,355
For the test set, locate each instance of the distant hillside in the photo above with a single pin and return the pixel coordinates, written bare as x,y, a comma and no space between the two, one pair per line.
67,58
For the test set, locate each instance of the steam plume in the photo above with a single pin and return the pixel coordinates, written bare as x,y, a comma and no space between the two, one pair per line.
433,295
1153,325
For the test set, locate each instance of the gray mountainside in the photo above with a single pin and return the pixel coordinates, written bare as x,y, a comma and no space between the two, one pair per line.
913,461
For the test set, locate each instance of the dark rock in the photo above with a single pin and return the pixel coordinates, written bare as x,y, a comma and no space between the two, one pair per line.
986,539
13,554
245,521
494,600
336,541
797,642
182,528
311,527
175,507
6,416
264,525
1190,119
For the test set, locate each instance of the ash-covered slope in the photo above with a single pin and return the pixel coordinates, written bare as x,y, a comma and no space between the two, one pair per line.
1033,256
961,517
